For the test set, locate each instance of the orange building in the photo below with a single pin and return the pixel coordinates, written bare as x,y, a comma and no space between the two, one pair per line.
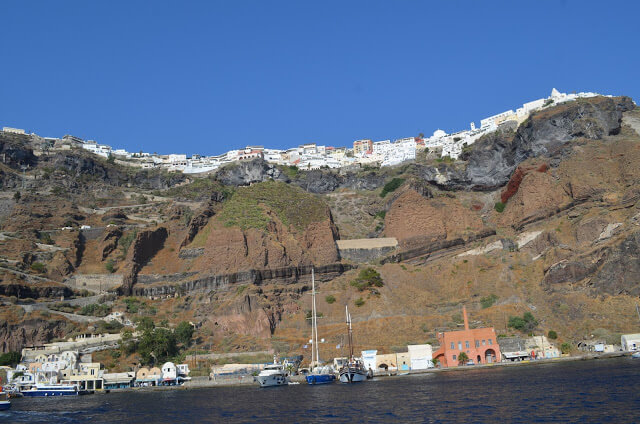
361,147
480,345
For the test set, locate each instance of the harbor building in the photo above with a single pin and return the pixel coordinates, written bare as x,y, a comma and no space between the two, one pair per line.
630,342
479,344
421,356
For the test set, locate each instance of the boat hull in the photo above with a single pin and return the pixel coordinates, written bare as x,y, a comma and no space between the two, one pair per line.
353,376
49,393
4,405
272,380
320,379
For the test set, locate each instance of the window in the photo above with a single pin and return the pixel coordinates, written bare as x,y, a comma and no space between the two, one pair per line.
490,341
484,343
477,343
453,346
466,344
459,345
454,357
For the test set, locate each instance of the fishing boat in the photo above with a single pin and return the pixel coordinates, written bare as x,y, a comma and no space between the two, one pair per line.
45,390
5,403
353,371
319,374
275,374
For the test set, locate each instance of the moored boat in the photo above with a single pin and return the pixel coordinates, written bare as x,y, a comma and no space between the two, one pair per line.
46,390
274,374
5,403
319,374
353,371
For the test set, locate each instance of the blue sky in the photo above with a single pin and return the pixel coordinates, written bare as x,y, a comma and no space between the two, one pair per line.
206,77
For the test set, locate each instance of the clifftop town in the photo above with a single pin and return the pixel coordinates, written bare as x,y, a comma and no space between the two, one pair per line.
312,156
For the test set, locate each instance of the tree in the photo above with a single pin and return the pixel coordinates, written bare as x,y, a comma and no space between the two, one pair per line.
552,335
435,362
145,324
10,358
157,346
184,333
17,196
462,358
565,348
330,299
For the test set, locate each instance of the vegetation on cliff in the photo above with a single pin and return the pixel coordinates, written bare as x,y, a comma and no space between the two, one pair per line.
249,207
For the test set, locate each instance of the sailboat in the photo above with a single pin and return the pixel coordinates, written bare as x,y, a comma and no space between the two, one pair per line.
353,370
318,375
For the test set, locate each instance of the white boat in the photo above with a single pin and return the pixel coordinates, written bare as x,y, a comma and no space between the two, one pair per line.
353,370
45,390
636,355
274,374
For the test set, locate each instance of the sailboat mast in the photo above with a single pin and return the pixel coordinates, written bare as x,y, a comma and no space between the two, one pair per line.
315,319
349,332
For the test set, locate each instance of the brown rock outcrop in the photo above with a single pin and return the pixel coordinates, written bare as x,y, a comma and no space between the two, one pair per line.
143,248
109,241
416,220
539,196
231,249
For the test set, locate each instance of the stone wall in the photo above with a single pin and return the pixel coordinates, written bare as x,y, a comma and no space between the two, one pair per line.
98,283
366,250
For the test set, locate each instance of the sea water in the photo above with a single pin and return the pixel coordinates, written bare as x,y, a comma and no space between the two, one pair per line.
594,391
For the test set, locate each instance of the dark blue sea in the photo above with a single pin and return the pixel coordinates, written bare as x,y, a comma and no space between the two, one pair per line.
595,391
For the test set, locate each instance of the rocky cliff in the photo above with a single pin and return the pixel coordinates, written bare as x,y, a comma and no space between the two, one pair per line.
543,217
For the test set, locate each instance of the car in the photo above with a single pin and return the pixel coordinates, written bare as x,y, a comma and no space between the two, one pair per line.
470,362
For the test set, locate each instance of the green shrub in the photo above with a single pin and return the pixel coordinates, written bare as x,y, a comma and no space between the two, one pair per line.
125,241
38,267
96,310
109,266
552,335
391,186
499,207
527,323
488,301
368,278
330,299
359,302
565,347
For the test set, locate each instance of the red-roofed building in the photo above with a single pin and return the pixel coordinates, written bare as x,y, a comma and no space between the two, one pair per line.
480,345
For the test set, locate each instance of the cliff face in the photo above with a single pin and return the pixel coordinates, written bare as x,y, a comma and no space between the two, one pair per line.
494,157
543,218
30,332
416,220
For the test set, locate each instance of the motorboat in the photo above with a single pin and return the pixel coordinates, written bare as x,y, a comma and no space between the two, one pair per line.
318,374
636,355
353,371
275,374
46,390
